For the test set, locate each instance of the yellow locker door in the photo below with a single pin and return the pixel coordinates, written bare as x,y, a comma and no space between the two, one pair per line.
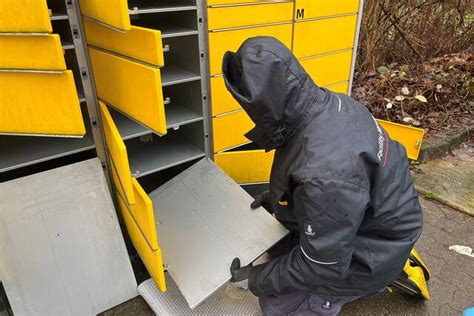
229,130
246,167
24,16
310,9
110,12
329,69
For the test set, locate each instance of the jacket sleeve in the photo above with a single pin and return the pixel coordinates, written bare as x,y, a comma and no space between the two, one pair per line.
329,213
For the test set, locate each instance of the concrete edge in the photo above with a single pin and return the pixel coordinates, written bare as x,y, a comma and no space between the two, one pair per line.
430,195
440,145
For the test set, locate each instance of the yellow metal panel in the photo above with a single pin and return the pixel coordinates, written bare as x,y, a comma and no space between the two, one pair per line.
227,2
222,100
139,43
32,52
40,103
308,9
220,42
143,213
152,259
24,16
110,12
118,153
245,15
251,166
324,36
339,88
229,130
329,69
410,137
131,87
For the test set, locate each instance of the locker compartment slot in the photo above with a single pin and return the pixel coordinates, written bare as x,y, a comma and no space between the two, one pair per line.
58,8
249,14
153,6
22,151
71,63
220,42
152,153
181,61
62,28
171,24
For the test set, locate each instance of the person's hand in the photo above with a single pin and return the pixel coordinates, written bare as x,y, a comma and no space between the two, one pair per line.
240,275
263,199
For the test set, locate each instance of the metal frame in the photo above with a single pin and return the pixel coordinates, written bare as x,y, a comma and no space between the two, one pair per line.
78,34
356,45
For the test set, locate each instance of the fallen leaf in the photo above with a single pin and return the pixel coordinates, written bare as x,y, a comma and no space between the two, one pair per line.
421,98
405,91
382,70
399,98
389,105
407,119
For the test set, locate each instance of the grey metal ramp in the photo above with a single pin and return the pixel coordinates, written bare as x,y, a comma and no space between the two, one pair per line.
228,300
204,220
61,247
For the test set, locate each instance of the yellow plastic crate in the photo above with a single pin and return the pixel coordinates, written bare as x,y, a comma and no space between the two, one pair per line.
133,88
40,104
32,52
24,16
139,43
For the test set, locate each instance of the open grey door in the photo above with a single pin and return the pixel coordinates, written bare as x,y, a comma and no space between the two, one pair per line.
204,221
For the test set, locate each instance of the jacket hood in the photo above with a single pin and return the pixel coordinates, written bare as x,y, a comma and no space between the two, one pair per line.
272,87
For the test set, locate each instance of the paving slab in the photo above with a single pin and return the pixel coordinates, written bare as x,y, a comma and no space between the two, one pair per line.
449,180
451,285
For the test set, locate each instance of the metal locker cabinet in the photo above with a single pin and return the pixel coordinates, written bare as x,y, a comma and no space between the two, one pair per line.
24,16
36,52
47,91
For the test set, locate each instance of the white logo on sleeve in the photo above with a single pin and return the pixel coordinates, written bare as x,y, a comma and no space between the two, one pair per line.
309,230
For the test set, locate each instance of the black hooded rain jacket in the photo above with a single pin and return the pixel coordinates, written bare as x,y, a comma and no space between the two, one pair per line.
342,182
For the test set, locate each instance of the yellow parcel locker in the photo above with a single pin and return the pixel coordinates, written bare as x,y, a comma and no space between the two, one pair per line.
249,14
130,87
40,104
228,130
139,43
246,167
323,36
222,100
310,9
39,52
111,12
329,69
24,16
220,42
237,2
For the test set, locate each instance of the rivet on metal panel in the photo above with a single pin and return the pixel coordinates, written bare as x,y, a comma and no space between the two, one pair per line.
84,74
75,32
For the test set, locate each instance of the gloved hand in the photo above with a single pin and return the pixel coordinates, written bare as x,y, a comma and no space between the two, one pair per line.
240,275
263,199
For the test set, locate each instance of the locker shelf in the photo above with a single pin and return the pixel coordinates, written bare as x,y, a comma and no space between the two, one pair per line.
59,16
21,151
171,24
150,6
177,116
171,75
127,127
159,153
